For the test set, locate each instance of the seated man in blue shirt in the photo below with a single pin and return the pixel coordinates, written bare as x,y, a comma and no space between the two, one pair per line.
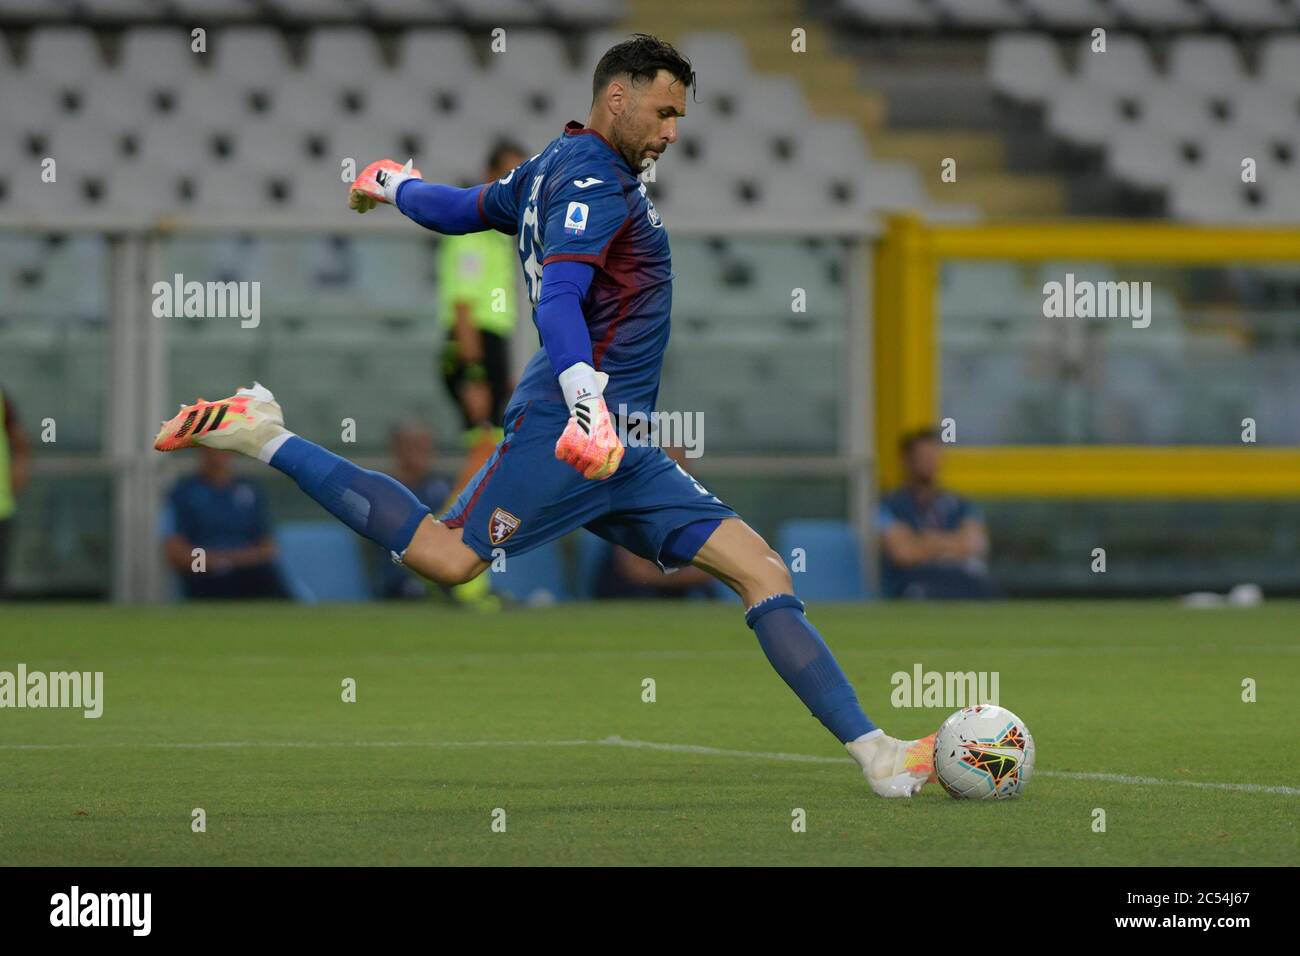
935,544
412,448
226,517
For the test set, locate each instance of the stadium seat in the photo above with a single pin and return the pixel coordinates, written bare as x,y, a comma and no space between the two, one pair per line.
249,56
981,13
1071,14
47,9
152,54
891,13
1254,14
1085,115
64,56
1162,14
585,14
1025,66
1124,66
321,562
833,556
531,58
1206,64
225,10
342,54
497,12
1280,62
534,578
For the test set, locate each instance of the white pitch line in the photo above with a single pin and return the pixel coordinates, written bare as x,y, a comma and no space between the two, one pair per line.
616,741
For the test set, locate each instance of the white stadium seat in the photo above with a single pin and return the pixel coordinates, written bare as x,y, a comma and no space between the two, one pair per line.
428,53
1266,109
982,13
1254,14
225,10
1085,114
720,61
1124,65
46,9
587,13
892,13
249,55
343,54
404,12
1071,14
531,57
1280,62
1208,64
1174,109
1146,158
66,56
1161,13
497,12
158,55
1025,66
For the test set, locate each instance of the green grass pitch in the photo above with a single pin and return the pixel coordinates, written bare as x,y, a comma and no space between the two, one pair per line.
238,710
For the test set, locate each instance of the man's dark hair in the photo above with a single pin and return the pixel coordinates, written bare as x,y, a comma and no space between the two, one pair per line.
913,438
641,56
500,150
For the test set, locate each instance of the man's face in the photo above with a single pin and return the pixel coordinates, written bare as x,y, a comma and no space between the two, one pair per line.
507,162
647,122
214,465
923,461
413,450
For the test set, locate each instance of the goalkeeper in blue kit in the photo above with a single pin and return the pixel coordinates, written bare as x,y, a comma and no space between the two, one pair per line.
596,261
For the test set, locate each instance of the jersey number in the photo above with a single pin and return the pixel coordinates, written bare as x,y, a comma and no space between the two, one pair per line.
530,241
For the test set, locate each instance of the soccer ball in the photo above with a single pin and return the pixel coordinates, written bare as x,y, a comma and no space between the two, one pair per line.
983,753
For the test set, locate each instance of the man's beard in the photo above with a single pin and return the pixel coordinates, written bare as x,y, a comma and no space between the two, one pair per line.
621,143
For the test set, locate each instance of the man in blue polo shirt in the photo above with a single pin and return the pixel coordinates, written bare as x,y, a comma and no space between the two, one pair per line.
934,543
225,516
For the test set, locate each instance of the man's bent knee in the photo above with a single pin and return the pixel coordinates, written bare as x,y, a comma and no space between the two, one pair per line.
438,554
770,576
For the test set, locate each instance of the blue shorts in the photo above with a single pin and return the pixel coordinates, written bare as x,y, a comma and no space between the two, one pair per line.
524,497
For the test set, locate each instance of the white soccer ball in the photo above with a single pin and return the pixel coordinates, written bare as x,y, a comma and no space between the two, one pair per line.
983,753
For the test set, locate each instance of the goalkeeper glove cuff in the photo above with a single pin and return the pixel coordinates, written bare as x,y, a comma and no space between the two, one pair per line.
581,384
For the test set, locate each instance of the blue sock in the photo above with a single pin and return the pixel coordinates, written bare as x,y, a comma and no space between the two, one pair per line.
374,505
804,662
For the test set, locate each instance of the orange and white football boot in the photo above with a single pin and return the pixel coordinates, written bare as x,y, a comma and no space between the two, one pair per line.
895,768
246,422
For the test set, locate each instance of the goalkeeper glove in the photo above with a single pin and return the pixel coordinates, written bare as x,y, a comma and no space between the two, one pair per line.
589,442
378,183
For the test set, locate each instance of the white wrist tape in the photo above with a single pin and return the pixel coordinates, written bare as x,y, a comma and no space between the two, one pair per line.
390,181
580,382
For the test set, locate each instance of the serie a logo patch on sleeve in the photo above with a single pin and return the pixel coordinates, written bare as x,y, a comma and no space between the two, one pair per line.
575,220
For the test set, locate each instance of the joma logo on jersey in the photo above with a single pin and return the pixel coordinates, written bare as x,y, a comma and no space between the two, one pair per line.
575,220
501,525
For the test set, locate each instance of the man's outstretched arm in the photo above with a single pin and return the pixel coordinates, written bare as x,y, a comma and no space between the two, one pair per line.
446,209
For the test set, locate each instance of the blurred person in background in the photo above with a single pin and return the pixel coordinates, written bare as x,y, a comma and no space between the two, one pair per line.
15,468
411,445
226,516
476,275
624,575
934,542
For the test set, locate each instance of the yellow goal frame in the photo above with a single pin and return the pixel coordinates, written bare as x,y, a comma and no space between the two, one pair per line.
906,362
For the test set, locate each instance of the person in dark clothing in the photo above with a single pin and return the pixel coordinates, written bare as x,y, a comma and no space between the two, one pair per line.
226,516
934,542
